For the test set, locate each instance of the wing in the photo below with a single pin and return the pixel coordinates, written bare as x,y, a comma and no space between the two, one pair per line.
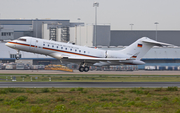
96,61
86,59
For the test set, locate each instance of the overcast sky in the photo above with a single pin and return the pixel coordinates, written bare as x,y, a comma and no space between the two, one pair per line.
119,13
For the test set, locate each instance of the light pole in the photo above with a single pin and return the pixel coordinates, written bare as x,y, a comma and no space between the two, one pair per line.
36,26
95,4
131,26
79,19
0,23
79,29
76,30
156,29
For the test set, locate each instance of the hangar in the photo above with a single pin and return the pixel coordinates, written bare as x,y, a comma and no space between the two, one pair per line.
126,37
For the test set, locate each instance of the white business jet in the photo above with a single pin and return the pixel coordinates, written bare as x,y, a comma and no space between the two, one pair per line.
86,56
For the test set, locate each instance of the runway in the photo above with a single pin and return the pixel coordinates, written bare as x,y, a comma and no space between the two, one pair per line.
88,84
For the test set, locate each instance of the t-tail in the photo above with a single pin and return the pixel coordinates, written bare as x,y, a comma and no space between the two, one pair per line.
139,48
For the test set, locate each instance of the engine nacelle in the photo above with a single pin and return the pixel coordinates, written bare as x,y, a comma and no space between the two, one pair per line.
58,56
116,54
138,62
133,62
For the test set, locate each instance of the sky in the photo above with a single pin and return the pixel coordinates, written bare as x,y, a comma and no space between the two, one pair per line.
118,13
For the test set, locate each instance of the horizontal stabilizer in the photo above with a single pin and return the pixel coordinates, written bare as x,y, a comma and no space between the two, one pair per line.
156,43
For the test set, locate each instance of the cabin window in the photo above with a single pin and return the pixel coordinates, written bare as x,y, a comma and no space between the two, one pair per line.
52,46
48,45
43,44
66,48
79,50
70,49
61,47
84,51
57,46
75,50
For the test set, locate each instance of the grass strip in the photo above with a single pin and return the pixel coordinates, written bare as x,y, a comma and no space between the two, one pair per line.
82,100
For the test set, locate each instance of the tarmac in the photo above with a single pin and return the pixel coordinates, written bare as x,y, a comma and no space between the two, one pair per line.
139,72
89,84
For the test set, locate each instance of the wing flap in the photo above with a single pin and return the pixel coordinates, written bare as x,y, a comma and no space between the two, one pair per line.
97,59
92,61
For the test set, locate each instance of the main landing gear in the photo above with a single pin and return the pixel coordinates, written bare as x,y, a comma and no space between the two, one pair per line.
83,68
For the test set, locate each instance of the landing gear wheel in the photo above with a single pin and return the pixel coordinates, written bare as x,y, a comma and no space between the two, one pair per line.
17,58
86,68
81,69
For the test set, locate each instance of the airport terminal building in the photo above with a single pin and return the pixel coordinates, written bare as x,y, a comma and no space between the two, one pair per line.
83,34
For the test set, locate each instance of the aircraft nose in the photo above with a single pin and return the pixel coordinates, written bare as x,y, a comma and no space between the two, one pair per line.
9,44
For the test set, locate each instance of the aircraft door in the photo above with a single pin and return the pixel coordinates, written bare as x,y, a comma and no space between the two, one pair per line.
14,45
33,45
106,54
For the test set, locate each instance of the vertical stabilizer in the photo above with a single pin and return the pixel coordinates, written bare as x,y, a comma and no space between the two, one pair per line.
139,48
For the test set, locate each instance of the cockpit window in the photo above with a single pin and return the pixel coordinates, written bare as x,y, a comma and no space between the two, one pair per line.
21,39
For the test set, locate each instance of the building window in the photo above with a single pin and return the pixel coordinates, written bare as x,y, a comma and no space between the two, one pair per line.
14,55
21,39
6,34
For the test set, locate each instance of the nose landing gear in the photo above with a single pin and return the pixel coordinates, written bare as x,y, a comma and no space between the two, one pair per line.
17,55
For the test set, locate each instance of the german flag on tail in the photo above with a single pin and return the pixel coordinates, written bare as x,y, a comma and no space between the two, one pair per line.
139,45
